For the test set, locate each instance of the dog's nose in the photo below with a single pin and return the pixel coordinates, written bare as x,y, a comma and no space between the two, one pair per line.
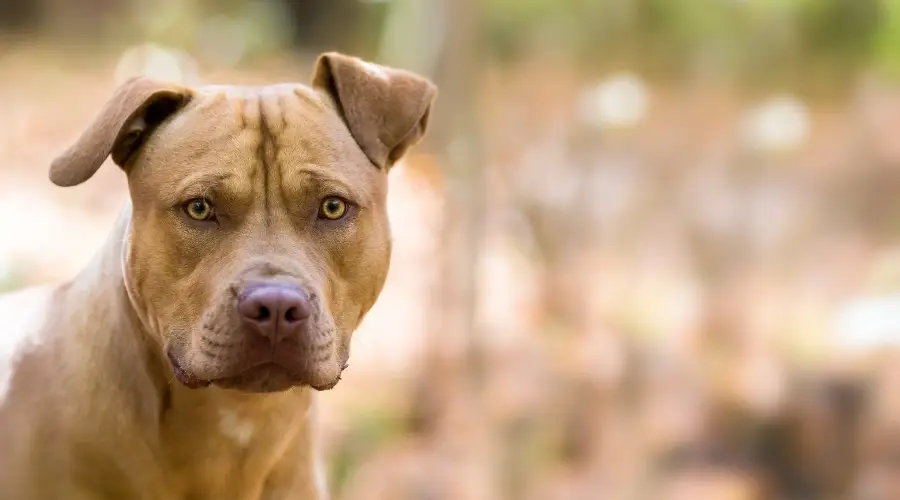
276,312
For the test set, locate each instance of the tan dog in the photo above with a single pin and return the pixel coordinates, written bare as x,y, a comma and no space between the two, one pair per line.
181,363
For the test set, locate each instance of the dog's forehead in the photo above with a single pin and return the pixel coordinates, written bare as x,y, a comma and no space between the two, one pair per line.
278,91
249,124
272,107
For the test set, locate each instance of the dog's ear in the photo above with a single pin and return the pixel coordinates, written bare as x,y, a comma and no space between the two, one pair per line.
386,109
136,108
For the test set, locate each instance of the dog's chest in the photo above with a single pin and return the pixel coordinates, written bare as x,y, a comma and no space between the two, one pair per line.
218,449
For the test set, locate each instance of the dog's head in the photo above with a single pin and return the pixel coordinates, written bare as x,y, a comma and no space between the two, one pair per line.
259,236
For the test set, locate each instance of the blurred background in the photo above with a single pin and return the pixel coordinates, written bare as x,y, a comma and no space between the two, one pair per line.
649,250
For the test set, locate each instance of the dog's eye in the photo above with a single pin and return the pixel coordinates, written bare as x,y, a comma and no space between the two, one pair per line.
332,208
199,209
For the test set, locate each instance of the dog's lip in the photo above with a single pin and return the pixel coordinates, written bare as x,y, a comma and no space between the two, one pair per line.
193,382
184,376
298,378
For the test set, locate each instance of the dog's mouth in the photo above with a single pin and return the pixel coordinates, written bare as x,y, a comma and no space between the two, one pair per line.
267,376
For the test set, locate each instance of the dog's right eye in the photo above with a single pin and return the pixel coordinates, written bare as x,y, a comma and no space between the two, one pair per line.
199,209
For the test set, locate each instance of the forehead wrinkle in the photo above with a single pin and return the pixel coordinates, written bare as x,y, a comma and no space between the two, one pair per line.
250,112
201,183
273,110
274,103
306,176
319,174
308,96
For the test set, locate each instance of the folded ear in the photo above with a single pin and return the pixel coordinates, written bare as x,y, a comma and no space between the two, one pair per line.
386,109
136,108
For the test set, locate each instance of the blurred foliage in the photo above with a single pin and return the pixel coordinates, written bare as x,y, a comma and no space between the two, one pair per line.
766,43
887,41
814,46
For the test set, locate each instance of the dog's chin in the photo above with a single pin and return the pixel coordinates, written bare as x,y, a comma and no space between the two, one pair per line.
263,378
271,377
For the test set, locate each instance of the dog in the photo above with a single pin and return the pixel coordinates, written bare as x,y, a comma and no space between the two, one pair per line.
182,363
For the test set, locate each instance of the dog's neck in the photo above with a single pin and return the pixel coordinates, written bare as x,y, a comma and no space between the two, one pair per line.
115,317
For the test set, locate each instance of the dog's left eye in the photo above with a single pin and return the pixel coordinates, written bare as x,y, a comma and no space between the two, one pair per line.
332,208
199,209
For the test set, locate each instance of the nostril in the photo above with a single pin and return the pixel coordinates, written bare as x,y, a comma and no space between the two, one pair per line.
291,315
263,314
299,310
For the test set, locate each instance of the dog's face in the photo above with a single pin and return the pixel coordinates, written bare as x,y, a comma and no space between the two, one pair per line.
259,238
259,235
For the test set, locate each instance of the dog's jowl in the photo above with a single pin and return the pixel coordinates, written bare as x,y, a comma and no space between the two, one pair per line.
182,363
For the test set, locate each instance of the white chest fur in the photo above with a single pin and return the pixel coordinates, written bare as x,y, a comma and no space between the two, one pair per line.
22,316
